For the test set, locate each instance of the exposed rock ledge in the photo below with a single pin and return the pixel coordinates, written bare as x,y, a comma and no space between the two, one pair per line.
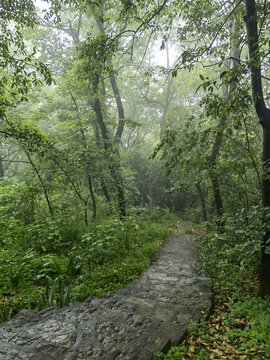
134,323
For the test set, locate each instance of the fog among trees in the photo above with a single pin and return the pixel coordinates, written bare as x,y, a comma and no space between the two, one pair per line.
119,115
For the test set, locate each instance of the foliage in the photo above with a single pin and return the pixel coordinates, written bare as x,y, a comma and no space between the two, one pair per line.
48,267
232,255
60,159
20,69
96,52
56,291
239,325
252,318
235,330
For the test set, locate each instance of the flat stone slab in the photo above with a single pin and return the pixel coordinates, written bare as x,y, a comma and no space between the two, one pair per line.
134,323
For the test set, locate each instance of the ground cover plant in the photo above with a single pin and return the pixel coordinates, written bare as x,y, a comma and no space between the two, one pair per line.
108,108
49,263
239,326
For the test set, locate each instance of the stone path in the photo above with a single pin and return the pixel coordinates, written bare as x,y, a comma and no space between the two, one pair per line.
134,323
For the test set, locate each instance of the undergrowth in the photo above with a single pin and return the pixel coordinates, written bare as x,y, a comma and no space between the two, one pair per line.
54,261
239,327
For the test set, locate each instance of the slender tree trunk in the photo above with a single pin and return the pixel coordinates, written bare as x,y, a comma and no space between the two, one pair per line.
105,191
77,191
116,173
202,199
246,189
212,160
119,131
114,164
85,213
251,156
2,173
168,93
115,167
87,165
116,92
99,115
89,178
227,92
102,178
41,182
263,114
92,197
119,104
216,189
264,273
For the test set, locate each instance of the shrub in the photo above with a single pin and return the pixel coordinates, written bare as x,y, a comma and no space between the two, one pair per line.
235,250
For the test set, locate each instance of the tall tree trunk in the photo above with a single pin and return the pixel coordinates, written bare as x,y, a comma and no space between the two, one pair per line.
88,176
116,92
2,173
92,197
202,199
86,161
119,104
168,92
252,157
116,173
114,164
103,183
227,92
216,189
263,114
85,214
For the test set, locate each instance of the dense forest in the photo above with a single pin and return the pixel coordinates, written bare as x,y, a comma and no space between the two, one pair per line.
119,117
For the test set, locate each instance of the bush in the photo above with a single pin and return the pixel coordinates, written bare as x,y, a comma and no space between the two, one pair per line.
51,266
256,333
233,252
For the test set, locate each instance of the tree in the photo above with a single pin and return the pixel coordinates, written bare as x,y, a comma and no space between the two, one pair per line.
19,67
255,42
227,92
263,113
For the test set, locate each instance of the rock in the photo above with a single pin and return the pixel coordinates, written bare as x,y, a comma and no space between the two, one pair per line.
134,323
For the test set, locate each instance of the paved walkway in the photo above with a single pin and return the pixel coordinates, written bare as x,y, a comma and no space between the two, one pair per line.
134,323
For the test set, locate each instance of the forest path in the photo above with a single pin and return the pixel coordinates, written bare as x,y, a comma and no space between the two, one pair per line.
134,323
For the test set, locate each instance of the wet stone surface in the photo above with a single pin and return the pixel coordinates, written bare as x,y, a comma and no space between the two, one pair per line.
134,323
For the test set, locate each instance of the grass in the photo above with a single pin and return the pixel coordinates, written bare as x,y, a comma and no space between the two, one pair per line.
44,265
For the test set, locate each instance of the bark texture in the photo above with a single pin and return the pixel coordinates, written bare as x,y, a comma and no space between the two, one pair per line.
114,164
264,117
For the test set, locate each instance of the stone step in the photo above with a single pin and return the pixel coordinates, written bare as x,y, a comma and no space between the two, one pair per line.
134,323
